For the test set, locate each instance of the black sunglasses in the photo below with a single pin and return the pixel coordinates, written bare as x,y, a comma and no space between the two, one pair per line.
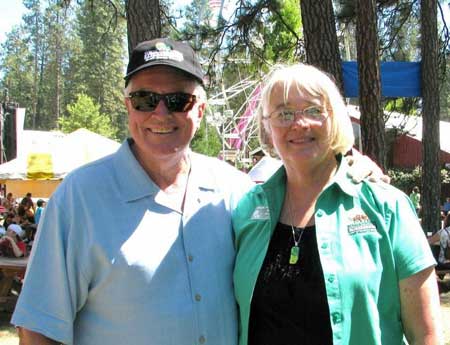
148,101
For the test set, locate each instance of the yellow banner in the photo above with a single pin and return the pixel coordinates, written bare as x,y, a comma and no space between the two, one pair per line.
39,166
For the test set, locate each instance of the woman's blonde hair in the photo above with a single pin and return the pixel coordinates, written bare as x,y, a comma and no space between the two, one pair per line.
314,83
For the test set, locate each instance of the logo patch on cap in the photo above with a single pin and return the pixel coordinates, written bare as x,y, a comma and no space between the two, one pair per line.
163,52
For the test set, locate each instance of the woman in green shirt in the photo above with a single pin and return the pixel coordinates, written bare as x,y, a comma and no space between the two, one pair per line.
321,260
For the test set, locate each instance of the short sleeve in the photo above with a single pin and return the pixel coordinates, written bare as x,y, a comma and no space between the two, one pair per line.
412,252
54,287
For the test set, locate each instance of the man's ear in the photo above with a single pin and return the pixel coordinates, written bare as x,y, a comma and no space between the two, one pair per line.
127,103
201,108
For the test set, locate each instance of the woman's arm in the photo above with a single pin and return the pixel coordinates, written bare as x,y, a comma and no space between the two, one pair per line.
28,337
420,308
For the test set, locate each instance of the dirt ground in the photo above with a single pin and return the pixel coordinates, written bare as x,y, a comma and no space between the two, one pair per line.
8,333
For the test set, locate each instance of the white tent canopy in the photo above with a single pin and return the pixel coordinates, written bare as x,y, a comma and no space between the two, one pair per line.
67,152
45,158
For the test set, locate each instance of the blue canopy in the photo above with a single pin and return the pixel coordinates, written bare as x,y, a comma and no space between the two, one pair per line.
398,79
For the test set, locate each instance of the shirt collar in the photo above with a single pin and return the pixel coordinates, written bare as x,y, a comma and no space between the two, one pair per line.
136,184
133,180
341,179
202,174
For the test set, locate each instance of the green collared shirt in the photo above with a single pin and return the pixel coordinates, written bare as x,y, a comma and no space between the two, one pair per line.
368,238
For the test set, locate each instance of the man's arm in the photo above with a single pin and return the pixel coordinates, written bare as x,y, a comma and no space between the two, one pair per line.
28,337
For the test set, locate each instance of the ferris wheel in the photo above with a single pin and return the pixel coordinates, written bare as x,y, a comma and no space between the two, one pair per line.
237,127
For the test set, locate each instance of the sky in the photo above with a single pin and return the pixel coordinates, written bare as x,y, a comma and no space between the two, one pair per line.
11,12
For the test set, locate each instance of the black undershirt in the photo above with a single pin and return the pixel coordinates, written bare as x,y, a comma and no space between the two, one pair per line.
289,304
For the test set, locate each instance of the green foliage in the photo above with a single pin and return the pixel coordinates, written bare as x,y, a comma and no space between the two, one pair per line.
405,180
61,50
84,113
282,32
17,66
206,140
100,63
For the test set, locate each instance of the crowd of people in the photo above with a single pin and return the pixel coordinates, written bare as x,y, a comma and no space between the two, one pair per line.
19,224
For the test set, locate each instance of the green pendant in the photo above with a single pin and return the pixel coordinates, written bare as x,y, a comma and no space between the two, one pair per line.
295,252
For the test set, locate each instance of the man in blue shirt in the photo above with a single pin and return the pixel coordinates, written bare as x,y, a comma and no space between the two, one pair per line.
137,248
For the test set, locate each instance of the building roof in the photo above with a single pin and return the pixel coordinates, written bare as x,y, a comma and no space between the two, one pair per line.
410,125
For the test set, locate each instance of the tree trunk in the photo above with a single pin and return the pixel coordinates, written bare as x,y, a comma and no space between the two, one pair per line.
372,123
143,21
321,44
431,180
35,72
58,63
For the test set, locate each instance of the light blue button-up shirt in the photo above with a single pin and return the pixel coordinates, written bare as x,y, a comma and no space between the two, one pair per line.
113,264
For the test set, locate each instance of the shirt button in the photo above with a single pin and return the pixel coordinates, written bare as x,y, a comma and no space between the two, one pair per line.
198,297
319,213
190,258
202,340
324,245
337,317
331,278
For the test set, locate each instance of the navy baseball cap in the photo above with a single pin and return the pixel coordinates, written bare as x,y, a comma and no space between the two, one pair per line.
165,52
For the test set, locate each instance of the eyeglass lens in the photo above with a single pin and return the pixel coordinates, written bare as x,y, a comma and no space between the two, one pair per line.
286,117
148,101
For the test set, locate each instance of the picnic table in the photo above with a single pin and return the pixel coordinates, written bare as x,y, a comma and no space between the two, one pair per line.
9,269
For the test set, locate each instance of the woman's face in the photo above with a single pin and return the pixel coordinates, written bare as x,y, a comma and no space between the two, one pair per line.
11,233
306,138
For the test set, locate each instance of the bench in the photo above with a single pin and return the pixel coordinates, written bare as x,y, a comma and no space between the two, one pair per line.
9,269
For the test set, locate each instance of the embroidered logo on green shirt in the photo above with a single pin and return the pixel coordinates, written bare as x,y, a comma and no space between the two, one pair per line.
359,223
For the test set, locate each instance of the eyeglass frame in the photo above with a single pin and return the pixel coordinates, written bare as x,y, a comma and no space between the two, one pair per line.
297,112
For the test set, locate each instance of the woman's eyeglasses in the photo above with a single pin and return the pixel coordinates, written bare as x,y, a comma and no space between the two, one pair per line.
286,117
175,102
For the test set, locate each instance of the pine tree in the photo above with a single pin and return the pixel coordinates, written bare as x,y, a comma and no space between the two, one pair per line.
84,113
101,61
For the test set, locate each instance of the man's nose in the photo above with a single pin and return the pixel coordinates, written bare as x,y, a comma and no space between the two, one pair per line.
161,108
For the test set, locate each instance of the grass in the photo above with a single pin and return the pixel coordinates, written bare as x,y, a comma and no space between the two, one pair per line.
8,334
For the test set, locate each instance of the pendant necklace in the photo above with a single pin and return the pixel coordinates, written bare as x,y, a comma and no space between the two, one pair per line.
295,249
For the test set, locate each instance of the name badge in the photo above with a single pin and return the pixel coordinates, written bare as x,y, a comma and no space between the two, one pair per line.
261,213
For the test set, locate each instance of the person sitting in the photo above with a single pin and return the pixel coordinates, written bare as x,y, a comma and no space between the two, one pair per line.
446,206
11,245
9,203
26,213
442,237
9,220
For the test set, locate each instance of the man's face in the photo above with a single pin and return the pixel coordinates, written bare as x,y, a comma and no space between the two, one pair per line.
160,133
